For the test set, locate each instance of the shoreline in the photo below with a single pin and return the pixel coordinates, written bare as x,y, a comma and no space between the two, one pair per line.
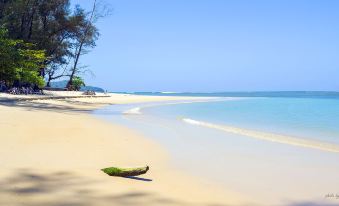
268,136
245,160
138,109
53,151
51,143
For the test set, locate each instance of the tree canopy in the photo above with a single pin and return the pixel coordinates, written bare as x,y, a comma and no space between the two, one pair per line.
19,61
50,27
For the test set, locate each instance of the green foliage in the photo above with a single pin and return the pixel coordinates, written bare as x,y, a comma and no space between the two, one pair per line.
52,26
64,34
77,83
19,61
44,23
63,84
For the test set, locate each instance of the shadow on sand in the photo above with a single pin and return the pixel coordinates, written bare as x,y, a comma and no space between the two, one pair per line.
140,179
33,105
67,189
27,188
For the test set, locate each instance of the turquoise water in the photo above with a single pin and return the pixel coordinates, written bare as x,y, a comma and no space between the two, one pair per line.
268,172
314,118
290,94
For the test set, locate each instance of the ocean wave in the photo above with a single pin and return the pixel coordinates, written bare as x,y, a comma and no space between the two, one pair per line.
283,139
135,110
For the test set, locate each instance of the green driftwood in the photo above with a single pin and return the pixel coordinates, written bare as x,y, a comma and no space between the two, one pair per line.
125,172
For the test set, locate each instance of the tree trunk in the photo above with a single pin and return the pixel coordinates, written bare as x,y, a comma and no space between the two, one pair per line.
81,43
48,84
70,82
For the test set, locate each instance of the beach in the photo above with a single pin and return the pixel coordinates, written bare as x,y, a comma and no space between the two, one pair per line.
52,151
272,151
169,103
54,146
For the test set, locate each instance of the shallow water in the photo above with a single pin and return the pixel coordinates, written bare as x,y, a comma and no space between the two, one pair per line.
267,172
306,117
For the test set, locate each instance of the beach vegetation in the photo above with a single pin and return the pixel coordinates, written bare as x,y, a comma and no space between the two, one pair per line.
63,33
78,82
20,62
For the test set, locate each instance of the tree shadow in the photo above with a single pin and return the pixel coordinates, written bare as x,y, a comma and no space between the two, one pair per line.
32,106
62,188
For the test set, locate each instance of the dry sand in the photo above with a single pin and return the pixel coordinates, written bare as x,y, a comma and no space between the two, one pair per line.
51,153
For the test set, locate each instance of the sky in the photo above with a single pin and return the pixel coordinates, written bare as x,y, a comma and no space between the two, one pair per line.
216,45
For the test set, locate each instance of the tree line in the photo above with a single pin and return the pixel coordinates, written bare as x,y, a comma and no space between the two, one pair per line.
43,40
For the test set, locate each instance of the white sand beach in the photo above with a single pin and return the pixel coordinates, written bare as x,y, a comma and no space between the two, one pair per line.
52,151
169,103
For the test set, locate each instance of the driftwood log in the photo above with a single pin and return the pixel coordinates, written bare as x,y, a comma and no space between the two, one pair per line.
125,172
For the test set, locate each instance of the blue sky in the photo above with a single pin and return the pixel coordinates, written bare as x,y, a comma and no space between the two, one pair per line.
216,45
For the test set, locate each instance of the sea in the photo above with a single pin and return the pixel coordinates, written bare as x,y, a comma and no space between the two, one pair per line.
269,146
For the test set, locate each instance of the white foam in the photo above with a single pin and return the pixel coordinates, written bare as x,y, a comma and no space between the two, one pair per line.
135,110
283,139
